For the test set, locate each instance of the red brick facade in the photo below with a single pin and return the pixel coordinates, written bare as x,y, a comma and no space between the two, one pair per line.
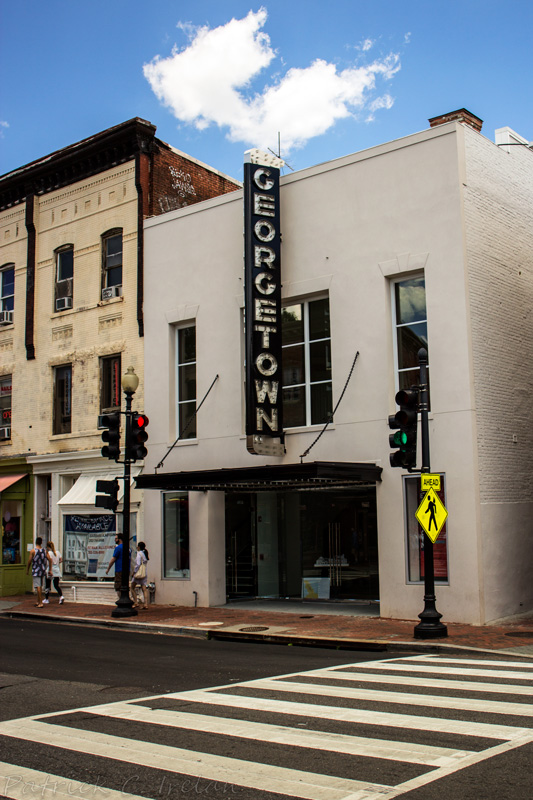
178,181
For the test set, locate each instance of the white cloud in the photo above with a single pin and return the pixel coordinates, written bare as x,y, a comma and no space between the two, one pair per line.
3,124
209,82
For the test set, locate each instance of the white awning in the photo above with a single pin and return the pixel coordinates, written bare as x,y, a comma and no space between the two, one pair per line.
83,492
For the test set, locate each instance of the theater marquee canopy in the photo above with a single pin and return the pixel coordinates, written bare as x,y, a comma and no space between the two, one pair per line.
268,478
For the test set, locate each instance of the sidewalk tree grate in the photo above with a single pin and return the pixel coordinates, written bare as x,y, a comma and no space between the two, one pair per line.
255,628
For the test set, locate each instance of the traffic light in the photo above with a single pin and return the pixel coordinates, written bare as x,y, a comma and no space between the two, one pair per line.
138,436
405,424
111,436
109,496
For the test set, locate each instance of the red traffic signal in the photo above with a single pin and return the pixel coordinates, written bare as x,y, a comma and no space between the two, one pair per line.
138,436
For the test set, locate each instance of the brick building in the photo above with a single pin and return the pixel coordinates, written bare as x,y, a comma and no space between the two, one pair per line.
427,240
72,282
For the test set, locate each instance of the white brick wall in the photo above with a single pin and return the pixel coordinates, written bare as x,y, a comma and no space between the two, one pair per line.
498,211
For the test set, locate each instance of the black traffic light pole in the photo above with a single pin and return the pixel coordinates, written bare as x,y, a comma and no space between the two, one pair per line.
430,626
124,605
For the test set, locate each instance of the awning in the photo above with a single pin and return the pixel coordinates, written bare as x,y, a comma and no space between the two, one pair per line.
8,480
83,492
272,477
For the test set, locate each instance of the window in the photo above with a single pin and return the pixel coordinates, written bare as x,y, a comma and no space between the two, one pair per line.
110,386
112,259
62,411
176,535
186,381
307,393
64,286
410,324
7,288
12,552
415,537
5,407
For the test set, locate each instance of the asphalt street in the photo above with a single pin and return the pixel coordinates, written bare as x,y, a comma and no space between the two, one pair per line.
148,715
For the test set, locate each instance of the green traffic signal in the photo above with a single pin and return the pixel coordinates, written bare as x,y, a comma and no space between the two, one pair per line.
398,439
406,421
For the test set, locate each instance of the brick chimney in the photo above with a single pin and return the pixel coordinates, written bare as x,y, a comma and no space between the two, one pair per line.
462,115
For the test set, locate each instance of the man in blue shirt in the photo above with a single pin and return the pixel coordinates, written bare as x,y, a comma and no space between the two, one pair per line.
116,559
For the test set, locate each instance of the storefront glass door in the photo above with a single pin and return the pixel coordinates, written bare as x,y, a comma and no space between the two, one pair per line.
310,544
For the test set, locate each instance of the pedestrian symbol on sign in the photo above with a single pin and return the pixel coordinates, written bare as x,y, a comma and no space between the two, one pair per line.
431,515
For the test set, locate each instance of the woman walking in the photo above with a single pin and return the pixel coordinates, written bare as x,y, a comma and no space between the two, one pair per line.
54,573
140,578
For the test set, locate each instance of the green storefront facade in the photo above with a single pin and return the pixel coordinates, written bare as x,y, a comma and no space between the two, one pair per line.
16,513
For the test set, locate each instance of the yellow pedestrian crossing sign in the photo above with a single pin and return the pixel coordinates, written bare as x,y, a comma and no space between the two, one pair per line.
431,514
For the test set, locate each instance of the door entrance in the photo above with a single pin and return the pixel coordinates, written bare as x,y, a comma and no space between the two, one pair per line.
315,544
241,576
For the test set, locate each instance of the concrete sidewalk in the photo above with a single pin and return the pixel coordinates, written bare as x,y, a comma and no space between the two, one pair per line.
295,624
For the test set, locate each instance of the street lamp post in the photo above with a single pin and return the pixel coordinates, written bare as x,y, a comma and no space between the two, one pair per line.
124,605
430,626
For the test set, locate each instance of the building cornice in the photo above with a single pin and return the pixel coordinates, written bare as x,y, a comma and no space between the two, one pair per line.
78,161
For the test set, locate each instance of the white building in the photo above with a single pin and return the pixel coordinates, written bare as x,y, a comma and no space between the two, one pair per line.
428,239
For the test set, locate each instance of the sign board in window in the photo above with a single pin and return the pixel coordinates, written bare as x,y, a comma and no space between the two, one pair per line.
415,536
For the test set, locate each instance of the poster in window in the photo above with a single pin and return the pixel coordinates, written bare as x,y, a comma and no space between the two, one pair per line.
10,539
89,542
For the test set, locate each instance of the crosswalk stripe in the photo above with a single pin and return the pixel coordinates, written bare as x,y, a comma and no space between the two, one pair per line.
21,783
435,683
230,771
470,761
437,670
460,661
404,698
341,714
319,740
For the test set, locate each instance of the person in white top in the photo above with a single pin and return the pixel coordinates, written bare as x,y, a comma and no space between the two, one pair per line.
54,573
139,578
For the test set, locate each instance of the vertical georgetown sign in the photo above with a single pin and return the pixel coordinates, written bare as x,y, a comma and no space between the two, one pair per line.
264,410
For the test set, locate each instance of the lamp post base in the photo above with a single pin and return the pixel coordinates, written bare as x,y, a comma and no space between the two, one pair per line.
430,626
124,608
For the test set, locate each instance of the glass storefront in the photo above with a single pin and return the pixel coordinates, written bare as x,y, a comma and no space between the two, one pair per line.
313,544
88,544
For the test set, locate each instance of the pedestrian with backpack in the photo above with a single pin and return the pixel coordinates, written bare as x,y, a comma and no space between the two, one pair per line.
40,562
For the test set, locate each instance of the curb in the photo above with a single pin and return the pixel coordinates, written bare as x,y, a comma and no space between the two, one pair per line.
374,645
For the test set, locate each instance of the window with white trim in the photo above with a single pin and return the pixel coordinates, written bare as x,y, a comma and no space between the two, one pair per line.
7,288
112,258
410,328
307,383
186,381
64,284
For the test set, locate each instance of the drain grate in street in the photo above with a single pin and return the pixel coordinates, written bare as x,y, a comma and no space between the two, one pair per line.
525,634
254,629
307,616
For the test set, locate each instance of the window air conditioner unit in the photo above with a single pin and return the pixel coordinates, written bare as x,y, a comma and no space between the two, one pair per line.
5,433
111,291
62,303
6,317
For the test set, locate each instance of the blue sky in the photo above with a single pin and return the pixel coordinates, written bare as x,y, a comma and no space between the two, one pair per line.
333,78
